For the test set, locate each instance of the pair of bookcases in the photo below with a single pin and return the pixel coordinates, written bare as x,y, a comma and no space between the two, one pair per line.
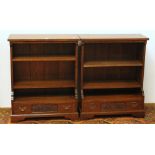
77,76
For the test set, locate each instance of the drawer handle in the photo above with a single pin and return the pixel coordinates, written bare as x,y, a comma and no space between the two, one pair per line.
22,109
134,104
67,107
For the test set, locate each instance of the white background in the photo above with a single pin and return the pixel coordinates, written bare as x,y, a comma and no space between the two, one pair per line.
81,16
76,16
77,140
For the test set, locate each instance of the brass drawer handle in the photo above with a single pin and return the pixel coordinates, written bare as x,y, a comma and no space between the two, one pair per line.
67,107
134,104
22,109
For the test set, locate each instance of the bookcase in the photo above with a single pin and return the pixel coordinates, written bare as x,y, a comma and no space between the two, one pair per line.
112,68
44,76
77,76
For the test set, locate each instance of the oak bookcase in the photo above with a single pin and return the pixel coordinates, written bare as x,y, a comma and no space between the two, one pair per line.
77,75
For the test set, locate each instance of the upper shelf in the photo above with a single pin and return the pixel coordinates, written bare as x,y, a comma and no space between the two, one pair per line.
122,63
44,58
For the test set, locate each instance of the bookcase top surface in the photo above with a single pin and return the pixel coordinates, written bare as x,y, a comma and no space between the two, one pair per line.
43,37
113,37
74,37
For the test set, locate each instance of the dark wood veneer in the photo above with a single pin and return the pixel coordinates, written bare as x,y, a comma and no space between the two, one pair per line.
67,75
113,64
44,76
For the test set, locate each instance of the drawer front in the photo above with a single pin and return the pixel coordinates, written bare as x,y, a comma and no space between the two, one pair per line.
101,106
121,106
43,108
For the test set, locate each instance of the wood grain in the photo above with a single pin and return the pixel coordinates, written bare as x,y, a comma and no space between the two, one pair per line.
121,63
42,37
111,84
44,84
44,58
45,99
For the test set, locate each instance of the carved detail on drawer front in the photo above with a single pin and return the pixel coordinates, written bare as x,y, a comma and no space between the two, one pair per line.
113,106
120,106
44,108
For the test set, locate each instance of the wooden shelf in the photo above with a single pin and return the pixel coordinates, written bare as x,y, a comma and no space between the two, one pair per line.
112,63
111,84
114,97
44,84
45,99
45,58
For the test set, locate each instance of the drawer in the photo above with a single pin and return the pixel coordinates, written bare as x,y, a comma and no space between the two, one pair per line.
113,103
43,108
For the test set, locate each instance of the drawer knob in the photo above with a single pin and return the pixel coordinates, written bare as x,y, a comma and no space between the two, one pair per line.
22,109
134,104
67,107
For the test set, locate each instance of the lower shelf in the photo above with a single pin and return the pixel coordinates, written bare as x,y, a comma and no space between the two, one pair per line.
111,84
44,99
44,84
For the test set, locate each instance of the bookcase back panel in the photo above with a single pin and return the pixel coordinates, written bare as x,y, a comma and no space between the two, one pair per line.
113,51
43,49
107,74
24,71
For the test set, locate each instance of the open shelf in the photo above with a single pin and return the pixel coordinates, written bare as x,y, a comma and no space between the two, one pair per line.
45,99
114,97
44,84
111,84
116,63
44,58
